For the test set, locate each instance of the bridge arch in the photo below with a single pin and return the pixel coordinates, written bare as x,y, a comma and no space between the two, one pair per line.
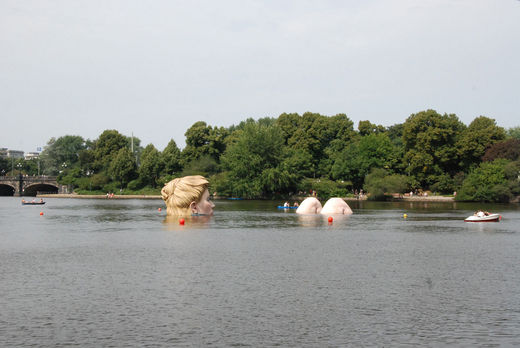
7,190
34,189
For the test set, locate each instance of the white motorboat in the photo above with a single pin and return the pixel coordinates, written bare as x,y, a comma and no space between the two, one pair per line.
483,218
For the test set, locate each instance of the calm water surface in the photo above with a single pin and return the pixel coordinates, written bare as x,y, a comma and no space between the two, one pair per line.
114,273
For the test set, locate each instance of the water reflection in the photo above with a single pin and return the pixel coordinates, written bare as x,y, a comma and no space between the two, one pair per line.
172,223
318,220
107,273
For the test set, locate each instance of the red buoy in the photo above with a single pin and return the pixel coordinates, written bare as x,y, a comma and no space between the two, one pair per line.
41,213
330,219
159,209
181,221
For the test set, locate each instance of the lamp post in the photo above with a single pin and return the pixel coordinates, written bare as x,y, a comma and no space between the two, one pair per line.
89,173
20,179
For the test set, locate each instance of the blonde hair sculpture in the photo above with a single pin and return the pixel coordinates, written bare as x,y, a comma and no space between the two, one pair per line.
179,193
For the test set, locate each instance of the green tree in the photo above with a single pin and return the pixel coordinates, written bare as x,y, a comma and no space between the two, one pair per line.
65,149
476,138
486,183
107,147
315,133
123,167
367,127
204,165
171,157
250,162
514,132
5,166
288,124
298,162
358,159
379,183
151,166
430,145
201,140
395,133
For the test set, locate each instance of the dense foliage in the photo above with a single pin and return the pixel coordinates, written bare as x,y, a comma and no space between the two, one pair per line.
298,154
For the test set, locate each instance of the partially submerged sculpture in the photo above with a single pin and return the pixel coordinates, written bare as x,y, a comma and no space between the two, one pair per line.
336,206
312,205
187,196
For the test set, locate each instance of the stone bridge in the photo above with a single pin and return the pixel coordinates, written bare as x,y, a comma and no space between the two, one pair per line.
30,185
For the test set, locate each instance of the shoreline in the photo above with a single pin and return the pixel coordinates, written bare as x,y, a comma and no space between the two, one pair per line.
72,195
402,199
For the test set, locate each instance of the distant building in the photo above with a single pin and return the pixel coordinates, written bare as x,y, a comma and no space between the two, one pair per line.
3,152
32,155
14,154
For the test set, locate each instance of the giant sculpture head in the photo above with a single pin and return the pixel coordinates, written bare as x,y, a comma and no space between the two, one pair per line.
187,196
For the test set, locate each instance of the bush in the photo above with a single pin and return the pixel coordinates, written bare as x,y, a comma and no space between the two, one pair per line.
380,185
205,165
326,188
136,184
99,181
82,183
486,183
112,187
443,184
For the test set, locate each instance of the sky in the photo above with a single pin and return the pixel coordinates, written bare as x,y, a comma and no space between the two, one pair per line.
153,68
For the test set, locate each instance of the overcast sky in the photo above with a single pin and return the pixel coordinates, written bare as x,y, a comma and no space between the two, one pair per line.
155,67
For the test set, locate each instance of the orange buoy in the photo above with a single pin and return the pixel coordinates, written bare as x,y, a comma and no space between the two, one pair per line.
330,219
181,221
159,209
41,213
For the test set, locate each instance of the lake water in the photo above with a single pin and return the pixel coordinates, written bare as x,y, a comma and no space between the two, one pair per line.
114,273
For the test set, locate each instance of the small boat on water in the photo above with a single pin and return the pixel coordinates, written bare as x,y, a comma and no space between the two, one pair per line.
33,203
284,207
483,218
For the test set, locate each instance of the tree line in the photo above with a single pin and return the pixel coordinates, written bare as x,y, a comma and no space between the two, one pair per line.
295,154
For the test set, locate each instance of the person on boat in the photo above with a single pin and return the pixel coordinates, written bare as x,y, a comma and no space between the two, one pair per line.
296,204
41,200
335,205
480,213
187,196
286,204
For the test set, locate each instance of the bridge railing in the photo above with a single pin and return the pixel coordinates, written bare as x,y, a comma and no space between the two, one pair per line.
29,178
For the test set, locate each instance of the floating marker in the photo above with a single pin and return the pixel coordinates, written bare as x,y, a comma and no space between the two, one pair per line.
159,209
181,221
41,213
330,219
405,216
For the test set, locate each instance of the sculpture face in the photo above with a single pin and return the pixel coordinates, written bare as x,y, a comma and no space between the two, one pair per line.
184,196
204,206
